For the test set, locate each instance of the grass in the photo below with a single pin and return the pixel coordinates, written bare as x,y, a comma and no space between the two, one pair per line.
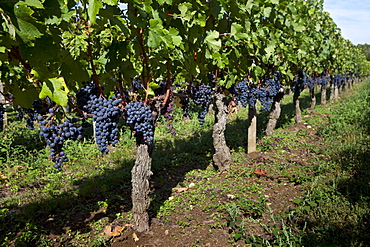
315,191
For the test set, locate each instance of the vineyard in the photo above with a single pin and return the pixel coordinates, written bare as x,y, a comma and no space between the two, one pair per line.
174,123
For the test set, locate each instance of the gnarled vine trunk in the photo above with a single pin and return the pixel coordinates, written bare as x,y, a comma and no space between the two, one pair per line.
275,113
141,173
222,157
323,95
313,98
336,93
332,93
346,86
298,113
252,129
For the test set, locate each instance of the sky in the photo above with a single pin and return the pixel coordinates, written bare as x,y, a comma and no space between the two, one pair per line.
352,17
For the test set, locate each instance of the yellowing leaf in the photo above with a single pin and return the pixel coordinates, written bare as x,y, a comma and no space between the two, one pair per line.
134,236
180,189
116,231
56,89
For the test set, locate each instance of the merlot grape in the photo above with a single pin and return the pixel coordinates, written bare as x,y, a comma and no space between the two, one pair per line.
106,114
139,117
55,135
202,96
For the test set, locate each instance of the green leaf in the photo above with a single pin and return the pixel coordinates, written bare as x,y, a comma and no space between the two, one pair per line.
249,6
312,204
155,33
56,90
93,9
297,201
9,25
270,49
111,2
238,235
34,3
230,78
236,31
185,13
213,43
154,40
283,173
26,23
24,97
298,27
155,24
153,85
267,12
177,40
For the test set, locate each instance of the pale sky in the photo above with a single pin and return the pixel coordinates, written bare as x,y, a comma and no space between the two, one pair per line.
352,17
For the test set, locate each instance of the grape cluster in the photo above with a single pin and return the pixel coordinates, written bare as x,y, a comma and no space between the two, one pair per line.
318,80
20,113
311,82
338,80
2,111
31,117
106,114
247,93
300,80
185,106
323,80
136,84
268,90
55,135
212,79
38,107
139,117
241,92
253,95
202,96
83,96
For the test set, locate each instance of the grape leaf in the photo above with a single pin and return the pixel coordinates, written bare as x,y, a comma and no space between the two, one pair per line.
56,90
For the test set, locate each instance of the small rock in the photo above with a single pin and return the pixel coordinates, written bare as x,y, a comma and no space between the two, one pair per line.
191,185
170,198
230,196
